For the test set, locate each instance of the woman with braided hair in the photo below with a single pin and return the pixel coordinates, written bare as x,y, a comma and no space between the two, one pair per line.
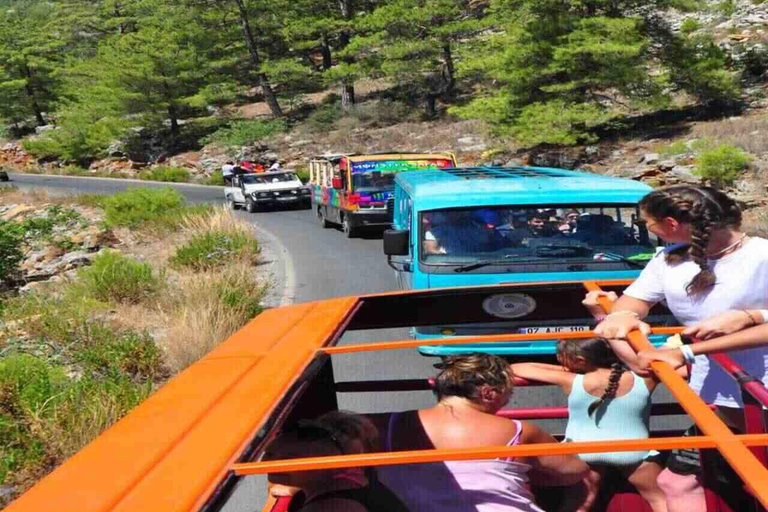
605,401
714,279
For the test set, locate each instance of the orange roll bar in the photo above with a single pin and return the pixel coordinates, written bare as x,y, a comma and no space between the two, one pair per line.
398,344
754,474
488,452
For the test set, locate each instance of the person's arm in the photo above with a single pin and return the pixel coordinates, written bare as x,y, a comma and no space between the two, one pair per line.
749,338
551,470
726,323
549,373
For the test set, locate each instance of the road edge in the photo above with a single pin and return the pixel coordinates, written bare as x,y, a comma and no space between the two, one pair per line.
100,178
283,255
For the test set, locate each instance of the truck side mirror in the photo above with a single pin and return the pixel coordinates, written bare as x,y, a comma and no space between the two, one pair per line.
396,242
336,183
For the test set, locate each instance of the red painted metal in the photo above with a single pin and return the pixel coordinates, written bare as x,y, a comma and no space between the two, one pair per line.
281,504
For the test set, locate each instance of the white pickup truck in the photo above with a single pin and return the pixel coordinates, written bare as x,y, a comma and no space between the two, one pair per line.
255,191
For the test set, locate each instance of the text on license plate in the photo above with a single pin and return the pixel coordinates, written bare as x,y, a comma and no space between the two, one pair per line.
553,329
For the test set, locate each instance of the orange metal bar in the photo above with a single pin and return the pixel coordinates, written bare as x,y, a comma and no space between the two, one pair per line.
398,344
754,474
488,452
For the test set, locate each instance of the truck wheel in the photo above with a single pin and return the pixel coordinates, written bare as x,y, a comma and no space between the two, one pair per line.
231,202
250,206
321,217
349,227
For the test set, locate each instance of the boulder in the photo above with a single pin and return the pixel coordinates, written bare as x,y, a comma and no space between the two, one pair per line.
649,158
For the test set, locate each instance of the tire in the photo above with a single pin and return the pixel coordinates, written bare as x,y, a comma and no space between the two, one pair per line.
250,206
348,227
231,202
325,223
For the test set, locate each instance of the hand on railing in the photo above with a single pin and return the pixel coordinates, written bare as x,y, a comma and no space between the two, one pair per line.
617,324
671,356
722,324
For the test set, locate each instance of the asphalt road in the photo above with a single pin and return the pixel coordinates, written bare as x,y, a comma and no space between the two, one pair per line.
305,263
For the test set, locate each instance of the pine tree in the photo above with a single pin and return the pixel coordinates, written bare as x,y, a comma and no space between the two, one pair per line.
412,43
566,66
28,59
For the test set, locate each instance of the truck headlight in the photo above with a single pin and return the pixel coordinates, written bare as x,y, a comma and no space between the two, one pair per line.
305,191
262,194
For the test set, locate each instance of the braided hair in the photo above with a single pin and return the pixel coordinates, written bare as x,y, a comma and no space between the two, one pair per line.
597,352
704,209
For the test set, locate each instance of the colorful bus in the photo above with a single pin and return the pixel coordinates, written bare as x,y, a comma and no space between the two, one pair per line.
353,191
196,444
488,225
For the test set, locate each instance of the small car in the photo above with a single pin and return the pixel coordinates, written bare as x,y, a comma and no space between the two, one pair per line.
256,191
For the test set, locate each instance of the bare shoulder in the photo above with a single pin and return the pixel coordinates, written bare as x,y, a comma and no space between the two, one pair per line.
534,434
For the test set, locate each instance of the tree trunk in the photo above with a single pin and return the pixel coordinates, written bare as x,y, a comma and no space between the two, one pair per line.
31,93
325,48
449,71
347,96
431,105
174,120
250,42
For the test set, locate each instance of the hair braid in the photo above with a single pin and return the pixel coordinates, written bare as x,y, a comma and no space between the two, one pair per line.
701,229
617,370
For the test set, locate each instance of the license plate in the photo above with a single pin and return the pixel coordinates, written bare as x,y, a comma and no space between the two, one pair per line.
555,329
287,198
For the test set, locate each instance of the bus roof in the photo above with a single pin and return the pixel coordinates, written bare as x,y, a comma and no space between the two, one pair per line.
489,186
374,157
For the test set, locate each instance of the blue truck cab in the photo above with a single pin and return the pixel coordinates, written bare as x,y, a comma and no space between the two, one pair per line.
498,225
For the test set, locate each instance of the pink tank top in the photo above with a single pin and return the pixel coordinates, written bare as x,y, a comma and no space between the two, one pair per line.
499,485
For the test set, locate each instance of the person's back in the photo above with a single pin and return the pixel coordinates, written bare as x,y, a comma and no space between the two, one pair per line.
458,421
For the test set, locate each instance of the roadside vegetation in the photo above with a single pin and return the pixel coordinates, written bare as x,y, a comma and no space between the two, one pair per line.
79,353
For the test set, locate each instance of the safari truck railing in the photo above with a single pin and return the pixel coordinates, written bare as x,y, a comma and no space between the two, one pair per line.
187,445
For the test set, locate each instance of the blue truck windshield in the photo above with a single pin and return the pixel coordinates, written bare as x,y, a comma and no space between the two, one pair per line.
531,239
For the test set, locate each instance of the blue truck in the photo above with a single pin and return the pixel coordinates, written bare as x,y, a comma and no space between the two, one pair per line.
497,225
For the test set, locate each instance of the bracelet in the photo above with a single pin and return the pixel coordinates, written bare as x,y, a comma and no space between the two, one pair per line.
764,313
751,317
624,312
688,355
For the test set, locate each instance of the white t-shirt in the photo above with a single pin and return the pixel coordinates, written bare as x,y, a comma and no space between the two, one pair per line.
741,282
227,169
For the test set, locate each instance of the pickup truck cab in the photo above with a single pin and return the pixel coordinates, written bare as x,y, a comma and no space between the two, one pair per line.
494,225
255,191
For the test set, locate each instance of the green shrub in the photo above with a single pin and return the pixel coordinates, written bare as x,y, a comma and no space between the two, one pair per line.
167,174
139,205
722,164
95,200
303,175
240,295
11,255
8,189
726,8
689,25
676,148
74,170
243,133
323,118
213,249
216,178
113,277
106,352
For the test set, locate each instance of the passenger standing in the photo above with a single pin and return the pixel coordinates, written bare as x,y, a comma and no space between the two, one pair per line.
605,401
714,279
227,171
470,389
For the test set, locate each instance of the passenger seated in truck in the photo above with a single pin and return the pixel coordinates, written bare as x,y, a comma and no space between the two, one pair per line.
333,490
462,232
470,389
536,227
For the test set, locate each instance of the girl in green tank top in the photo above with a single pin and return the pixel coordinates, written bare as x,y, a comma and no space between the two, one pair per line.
605,401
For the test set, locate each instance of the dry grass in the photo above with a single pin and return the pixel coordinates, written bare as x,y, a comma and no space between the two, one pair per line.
207,308
746,132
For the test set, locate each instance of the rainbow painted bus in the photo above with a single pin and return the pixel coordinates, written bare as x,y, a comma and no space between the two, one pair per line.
353,191
197,443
